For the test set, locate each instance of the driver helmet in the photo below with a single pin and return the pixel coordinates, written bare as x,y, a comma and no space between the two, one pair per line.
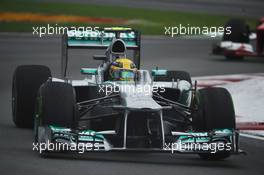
122,69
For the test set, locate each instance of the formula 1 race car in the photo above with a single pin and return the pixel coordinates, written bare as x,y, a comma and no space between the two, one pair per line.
119,107
236,45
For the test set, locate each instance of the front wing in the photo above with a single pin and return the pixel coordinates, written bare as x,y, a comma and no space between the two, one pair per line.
58,139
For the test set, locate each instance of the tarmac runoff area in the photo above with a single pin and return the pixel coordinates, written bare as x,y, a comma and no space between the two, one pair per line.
191,55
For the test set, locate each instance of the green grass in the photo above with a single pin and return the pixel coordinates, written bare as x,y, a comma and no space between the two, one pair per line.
156,19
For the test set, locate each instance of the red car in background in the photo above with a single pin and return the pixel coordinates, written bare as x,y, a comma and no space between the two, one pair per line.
237,44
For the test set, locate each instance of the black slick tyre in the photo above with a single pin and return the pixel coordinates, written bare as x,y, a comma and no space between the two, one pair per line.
26,81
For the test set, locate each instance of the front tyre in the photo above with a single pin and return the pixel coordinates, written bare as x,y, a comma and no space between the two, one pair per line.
215,111
57,105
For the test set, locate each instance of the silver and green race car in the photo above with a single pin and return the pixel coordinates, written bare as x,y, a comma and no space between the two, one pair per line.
160,111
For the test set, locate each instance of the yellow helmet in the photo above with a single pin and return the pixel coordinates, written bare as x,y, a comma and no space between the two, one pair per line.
122,69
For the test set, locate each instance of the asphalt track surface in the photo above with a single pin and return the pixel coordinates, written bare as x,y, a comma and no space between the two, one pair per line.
250,8
17,157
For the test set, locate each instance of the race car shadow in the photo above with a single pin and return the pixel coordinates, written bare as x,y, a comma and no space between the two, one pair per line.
147,158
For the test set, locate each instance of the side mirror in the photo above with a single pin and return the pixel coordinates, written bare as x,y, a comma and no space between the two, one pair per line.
100,57
158,72
89,71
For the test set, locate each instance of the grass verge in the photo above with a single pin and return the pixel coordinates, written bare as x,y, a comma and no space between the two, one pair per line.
148,21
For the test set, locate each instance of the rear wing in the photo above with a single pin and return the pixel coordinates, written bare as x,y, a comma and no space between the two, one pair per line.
99,39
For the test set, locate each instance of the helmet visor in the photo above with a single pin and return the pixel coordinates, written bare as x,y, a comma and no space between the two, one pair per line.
124,75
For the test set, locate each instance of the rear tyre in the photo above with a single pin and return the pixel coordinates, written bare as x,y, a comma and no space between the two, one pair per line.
26,81
239,34
215,111
56,105
181,75
239,31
